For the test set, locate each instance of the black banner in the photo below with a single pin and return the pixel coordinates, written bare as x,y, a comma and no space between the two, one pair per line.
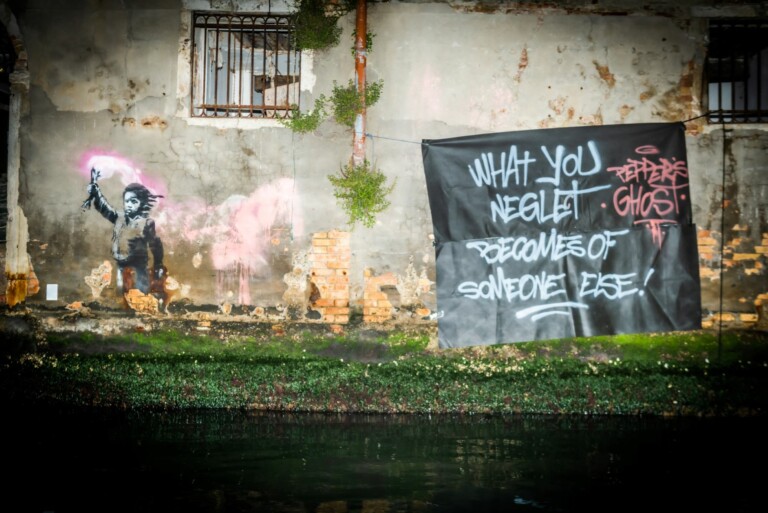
564,232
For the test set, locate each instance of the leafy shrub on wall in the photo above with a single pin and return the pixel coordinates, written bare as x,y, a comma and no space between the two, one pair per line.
315,24
361,191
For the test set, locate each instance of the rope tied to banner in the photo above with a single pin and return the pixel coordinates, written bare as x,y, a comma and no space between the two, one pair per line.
422,143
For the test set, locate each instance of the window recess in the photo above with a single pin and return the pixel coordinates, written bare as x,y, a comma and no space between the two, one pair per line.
244,65
737,71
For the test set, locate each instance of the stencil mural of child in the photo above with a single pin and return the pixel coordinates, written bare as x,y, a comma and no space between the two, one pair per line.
133,236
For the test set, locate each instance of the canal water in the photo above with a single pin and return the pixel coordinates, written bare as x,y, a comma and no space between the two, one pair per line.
225,461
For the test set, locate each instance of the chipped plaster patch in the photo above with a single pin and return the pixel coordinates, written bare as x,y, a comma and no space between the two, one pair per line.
647,94
154,122
624,111
594,119
605,74
297,294
99,278
522,64
411,285
557,104
142,303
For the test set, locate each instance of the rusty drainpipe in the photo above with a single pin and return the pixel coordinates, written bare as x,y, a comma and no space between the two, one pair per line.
358,143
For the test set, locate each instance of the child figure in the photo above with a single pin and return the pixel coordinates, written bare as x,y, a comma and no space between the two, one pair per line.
133,237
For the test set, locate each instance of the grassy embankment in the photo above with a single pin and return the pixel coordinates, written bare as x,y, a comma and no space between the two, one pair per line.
693,373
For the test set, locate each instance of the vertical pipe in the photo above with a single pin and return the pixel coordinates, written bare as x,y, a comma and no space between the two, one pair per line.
358,144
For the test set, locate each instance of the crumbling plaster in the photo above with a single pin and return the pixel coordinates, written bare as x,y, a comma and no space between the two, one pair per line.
118,85
507,75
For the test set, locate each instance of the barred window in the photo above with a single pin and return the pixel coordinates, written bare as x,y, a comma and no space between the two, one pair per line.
737,71
244,65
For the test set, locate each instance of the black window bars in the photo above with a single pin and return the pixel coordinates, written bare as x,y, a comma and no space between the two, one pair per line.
737,71
244,65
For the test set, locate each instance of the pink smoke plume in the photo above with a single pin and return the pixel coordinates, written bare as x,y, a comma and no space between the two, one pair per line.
111,164
239,229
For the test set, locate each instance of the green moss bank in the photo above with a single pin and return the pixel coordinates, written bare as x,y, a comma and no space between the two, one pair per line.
398,370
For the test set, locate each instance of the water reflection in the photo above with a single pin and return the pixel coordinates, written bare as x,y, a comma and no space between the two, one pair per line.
236,462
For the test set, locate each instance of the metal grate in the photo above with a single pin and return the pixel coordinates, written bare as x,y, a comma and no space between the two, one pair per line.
244,65
737,71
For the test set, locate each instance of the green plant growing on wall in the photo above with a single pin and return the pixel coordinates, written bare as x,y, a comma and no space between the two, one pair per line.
361,191
346,101
344,104
316,28
316,23
303,123
368,41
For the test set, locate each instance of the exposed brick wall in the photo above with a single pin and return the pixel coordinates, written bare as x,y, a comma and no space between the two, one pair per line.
741,258
763,247
330,258
742,251
709,255
376,304
730,319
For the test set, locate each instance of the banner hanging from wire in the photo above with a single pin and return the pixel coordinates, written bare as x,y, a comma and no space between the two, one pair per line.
559,233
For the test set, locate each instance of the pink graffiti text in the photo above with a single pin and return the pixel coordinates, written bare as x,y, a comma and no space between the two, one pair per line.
652,190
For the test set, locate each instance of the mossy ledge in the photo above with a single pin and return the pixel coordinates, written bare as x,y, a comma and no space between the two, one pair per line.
379,369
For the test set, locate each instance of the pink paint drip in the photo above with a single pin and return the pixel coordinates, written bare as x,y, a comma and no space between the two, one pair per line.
239,231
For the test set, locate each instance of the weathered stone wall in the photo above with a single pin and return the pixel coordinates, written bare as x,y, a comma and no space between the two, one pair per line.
248,218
